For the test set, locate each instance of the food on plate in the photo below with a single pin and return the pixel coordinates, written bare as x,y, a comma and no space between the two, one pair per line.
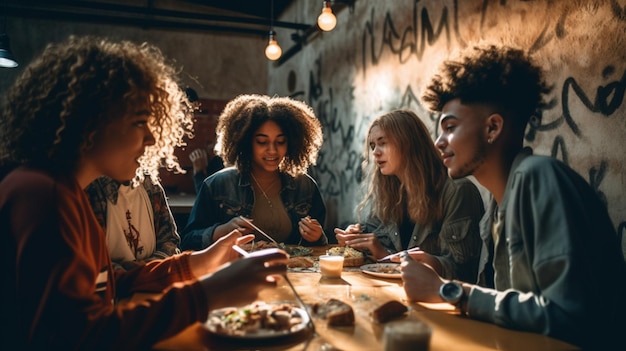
300,262
388,311
336,312
296,251
351,257
258,245
385,269
293,251
258,318
297,254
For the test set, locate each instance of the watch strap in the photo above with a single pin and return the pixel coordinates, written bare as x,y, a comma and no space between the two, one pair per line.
461,305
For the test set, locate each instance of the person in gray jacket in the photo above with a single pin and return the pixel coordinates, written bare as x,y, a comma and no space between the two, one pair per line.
557,267
411,203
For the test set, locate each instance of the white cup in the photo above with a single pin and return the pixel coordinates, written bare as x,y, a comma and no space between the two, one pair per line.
406,334
331,266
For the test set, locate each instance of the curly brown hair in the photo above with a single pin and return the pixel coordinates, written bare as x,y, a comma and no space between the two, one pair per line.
425,174
56,108
504,77
243,116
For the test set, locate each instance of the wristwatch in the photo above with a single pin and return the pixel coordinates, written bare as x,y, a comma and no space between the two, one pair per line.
453,293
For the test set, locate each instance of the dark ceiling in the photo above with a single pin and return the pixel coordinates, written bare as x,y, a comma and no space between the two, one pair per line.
244,17
231,17
257,8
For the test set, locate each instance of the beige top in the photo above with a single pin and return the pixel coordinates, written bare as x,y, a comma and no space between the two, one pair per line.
270,215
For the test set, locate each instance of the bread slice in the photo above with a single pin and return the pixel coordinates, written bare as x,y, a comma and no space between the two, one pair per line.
353,261
388,311
351,257
336,312
300,262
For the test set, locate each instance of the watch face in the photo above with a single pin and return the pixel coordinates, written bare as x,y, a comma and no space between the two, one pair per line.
451,292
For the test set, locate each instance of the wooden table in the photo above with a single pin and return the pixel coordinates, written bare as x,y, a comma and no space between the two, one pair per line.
364,293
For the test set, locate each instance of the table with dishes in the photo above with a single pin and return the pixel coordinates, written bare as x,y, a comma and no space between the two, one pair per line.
365,288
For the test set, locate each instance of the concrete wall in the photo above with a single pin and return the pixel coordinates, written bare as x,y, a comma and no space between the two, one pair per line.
382,53
218,67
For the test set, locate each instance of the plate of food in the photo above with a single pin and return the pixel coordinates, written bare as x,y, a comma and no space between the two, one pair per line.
296,250
299,256
257,321
383,270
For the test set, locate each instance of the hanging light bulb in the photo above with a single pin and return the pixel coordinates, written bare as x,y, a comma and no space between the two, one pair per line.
6,56
326,20
273,50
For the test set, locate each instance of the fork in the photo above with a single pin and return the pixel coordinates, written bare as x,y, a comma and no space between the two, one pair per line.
293,289
302,304
388,257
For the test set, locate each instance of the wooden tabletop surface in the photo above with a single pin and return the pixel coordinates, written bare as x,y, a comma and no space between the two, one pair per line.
364,293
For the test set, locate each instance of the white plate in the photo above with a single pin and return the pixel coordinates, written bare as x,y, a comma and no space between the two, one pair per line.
261,334
382,270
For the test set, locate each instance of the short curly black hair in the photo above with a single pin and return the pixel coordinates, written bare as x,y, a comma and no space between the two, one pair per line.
501,76
243,115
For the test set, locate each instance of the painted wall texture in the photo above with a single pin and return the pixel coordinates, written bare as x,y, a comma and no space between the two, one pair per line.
382,53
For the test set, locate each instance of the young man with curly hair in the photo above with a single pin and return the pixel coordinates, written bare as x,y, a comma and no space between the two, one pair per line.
89,107
270,143
558,268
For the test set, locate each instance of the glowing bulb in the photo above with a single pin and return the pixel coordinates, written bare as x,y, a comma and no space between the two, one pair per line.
9,63
273,50
326,20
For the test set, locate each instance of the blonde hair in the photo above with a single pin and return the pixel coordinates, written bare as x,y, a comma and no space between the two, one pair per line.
386,197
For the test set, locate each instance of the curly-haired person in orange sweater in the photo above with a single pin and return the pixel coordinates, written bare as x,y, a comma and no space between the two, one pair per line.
89,107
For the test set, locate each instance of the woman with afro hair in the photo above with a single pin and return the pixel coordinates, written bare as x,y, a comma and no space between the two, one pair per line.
269,143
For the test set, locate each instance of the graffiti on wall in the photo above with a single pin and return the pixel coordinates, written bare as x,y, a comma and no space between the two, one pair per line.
385,35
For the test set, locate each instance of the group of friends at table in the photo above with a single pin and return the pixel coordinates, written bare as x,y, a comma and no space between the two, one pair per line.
91,120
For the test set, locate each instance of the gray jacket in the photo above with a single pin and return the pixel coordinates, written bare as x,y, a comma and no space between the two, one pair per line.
454,239
558,269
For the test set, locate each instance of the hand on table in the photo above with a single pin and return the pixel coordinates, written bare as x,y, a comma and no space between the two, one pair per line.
421,282
421,256
239,282
220,252
236,223
351,229
353,237
310,229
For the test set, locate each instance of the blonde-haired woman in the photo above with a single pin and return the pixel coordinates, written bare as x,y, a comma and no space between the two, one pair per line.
410,201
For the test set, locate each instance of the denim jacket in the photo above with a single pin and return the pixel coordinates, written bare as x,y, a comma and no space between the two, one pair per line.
228,193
